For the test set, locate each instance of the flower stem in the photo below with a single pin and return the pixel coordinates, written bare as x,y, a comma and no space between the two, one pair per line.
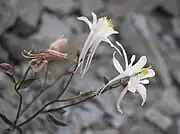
19,108
39,94
19,94
51,102
75,103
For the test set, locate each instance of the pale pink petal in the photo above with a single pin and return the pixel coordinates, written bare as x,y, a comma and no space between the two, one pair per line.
58,44
117,65
142,91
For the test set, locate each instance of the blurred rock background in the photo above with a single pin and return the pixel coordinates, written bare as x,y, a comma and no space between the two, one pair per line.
147,27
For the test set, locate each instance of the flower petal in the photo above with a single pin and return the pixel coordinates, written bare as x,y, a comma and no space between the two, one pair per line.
151,73
136,68
132,84
88,44
117,65
112,45
124,53
145,81
142,91
94,20
86,21
123,93
132,61
90,56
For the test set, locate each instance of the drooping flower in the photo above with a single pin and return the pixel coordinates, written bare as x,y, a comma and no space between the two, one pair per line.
40,60
137,73
100,29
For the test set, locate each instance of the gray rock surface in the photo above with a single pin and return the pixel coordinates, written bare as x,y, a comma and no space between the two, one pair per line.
88,6
15,45
162,121
176,26
171,6
51,29
7,14
61,7
29,14
170,102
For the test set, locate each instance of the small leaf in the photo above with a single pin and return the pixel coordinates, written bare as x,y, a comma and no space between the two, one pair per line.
6,120
61,111
27,82
105,80
52,119
10,75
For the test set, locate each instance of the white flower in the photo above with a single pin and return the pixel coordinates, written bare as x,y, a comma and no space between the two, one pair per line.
99,31
137,74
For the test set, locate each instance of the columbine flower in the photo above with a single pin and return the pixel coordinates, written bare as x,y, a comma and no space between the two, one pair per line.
99,31
41,59
137,74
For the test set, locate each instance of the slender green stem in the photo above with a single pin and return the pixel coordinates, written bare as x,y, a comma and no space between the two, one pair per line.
33,116
67,84
20,82
19,108
75,103
51,102
39,94
40,110
46,75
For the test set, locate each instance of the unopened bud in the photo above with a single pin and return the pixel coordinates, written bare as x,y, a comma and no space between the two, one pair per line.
6,67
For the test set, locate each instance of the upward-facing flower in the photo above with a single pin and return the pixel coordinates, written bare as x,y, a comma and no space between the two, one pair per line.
137,74
99,31
39,60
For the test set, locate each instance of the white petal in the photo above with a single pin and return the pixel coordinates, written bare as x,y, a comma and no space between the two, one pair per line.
88,44
142,91
90,56
137,67
86,21
132,84
145,81
124,53
132,61
112,45
94,20
151,73
108,32
117,65
120,99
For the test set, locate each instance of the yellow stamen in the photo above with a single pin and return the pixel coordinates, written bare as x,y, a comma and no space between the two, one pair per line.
109,21
144,71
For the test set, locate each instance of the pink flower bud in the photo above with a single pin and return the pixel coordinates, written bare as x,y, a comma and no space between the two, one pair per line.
6,67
